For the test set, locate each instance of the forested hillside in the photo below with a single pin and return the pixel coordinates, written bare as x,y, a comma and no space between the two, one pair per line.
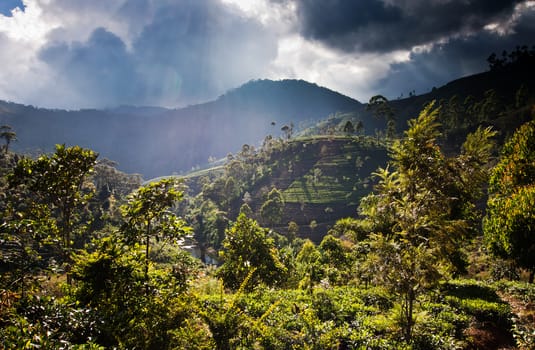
321,172
318,180
411,236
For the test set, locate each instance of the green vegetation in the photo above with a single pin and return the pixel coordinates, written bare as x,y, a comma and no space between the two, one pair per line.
510,223
331,241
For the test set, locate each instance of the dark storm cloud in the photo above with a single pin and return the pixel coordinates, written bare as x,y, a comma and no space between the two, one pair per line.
186,52
455,58
101,69
386,25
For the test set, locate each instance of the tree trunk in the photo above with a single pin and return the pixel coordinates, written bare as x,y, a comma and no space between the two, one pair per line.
408,309
66,233
147,242
409,316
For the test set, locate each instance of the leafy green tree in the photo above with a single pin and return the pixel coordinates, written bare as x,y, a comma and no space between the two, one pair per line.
273,208
510,222
335,257
333,251
489,107
111,288
246,209
208,223
147,215
24,234
293,231
451,114
231,191
108,178
380,107
309,267
406,270
424,208
247,247
349,228
57,183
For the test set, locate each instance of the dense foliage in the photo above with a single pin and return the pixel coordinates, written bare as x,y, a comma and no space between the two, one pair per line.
510,223
92,259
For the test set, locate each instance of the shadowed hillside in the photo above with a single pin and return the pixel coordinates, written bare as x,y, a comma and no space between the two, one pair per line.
158,141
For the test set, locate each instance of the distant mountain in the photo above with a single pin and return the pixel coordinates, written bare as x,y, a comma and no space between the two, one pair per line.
157,141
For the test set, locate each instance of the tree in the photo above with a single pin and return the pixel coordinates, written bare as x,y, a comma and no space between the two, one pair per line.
359,127
247,247
335,258
208,224
350,229
313,225
273,208
288,131
509,226
293,231
147,215
246,209
308,265
7,133
231,189
348,128
57,183
406,270
23,235
423,209
381,109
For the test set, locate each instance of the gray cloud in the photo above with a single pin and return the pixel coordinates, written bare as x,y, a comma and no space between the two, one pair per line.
101,69
455,58
186,52
200,48
79,53
386,25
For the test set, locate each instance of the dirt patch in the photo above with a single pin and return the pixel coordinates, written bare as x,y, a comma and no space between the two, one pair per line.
524,320
487,336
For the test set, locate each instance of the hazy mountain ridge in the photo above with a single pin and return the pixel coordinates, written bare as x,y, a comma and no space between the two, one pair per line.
156,141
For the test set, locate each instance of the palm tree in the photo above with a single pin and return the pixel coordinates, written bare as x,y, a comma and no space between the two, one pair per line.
7,133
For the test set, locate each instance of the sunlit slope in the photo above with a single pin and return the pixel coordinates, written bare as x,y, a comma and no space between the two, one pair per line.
321,178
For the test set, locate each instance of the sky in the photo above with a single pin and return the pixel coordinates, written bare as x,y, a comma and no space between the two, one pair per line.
74,54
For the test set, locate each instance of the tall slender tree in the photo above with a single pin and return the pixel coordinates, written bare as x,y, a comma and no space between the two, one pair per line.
147,215
423,209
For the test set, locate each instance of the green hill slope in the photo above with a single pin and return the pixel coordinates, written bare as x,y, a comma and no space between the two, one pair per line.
321,179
